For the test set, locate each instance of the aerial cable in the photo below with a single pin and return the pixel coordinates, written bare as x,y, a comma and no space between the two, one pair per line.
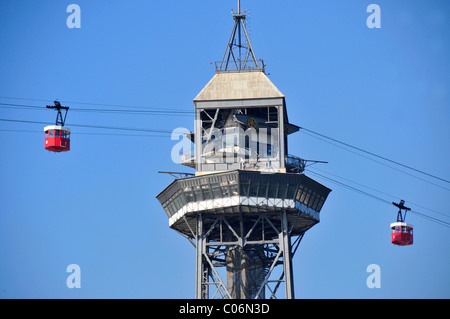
375,155
376,161
119,111
96,126
179,112
350,187
88,133
378,191
19,106
425,216
102,104
172,112
433,219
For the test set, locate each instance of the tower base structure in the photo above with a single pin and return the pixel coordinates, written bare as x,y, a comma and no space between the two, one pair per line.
248,257
246,226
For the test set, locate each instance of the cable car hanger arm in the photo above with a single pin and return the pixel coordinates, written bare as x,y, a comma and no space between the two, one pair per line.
59,107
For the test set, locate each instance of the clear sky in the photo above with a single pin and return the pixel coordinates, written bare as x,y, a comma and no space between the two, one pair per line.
386,90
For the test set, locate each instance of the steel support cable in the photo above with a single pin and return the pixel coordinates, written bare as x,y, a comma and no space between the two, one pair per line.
95,126
375,155
117,111
97,104
88,133
320,175
380,192
350,187
172,112
425,216
374,160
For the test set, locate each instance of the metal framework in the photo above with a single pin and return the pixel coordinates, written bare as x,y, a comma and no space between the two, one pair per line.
239,61
177,174
242,224
249,252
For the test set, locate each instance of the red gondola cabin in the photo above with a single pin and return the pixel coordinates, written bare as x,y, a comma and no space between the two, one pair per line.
57,138
401,234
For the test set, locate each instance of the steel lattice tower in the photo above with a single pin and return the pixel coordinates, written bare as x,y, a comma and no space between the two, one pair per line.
249,204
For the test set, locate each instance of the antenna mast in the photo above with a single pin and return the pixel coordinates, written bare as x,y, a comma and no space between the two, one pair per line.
240,62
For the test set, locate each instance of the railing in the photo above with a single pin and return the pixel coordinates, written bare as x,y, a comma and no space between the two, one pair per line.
249,65
188,158
295,164
239,12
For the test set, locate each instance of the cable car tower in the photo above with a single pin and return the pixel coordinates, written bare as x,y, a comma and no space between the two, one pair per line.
57,137
249,204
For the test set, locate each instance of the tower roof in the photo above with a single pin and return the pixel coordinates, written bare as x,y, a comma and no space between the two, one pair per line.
237,86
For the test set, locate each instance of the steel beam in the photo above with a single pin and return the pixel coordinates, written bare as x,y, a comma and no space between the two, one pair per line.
250,260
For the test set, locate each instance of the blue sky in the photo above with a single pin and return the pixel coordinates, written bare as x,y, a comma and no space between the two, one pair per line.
384,90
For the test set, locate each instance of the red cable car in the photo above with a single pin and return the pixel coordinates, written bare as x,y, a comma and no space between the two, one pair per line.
57,137
401,232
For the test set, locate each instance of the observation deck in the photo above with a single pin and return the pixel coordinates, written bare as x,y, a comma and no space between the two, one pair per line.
242,192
